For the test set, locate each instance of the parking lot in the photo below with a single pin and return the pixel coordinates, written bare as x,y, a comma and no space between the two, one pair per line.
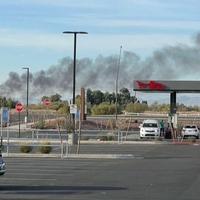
162,171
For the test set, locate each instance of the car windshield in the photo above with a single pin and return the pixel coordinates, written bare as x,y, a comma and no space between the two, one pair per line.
190,126
153,125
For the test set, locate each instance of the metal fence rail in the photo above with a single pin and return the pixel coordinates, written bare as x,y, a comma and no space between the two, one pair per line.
13,147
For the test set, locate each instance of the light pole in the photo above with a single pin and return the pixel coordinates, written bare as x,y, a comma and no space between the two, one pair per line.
27,91
74,67
116,84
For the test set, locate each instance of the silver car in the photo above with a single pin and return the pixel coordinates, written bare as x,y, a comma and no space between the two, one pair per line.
2,166
190,131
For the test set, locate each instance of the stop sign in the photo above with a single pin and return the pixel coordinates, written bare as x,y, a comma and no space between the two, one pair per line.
46,102
19,107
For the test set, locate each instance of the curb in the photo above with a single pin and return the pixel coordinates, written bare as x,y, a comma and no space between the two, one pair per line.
101,156
86,156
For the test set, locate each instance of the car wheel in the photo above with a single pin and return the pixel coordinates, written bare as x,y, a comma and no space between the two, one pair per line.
197,137
141,138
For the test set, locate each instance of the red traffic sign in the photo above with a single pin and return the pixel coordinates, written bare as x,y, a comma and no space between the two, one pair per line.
46,102
19,107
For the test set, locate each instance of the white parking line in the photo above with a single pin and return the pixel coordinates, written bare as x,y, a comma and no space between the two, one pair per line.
26,179
37,174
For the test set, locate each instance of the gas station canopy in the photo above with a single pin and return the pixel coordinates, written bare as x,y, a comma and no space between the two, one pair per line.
171,87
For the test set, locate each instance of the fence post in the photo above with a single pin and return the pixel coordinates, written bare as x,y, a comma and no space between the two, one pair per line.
8,143
32,135
37,134
61,149
67,149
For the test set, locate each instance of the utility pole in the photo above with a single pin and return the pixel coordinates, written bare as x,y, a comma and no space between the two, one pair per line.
116,84
27,92
74,72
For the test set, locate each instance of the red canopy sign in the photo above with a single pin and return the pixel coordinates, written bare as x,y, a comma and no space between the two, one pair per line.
19,107
151,85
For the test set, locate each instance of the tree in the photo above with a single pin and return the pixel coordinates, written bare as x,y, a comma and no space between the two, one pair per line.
108,97
7,102
55,98
97,97
133,99
64,108
3,102
10,103
90,97
43,98
124,96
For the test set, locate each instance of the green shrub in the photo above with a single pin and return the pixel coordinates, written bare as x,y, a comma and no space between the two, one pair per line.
25,148
2,148
136,107
85,137
103,138
111,138
106,138
103,109
45,147
40,124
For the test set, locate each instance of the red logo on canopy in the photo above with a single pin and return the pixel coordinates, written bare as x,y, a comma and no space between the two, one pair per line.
151,85
19,107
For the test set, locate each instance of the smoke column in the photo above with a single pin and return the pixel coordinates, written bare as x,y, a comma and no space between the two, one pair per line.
180,62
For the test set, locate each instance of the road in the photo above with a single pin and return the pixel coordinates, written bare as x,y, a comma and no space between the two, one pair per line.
154,172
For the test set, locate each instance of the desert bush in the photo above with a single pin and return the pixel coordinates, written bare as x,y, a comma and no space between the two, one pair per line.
107,138
111,138
136,107
103,138
40,124
85,137
45,147
103,109
26,148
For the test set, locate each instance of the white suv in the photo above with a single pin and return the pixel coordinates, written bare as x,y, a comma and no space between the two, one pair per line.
150,128
190,131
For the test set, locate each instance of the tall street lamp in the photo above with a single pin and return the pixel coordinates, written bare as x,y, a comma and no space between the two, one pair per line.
116,84
27,90
74,67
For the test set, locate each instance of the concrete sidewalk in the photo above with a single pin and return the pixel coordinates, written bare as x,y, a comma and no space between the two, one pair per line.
86,156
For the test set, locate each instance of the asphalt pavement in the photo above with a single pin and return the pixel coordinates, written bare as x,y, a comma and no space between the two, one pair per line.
154,172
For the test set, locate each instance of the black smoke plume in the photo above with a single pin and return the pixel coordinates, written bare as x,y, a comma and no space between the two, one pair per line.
179,62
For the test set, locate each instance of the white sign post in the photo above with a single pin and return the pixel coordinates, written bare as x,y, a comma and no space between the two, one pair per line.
73,108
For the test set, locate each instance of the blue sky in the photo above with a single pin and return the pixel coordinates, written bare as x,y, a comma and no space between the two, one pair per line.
31,30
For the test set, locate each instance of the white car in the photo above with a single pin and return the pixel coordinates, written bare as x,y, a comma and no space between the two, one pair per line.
150,128
190,131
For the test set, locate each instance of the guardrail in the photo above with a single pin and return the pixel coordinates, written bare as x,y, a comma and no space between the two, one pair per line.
12,140
57,148
61,142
